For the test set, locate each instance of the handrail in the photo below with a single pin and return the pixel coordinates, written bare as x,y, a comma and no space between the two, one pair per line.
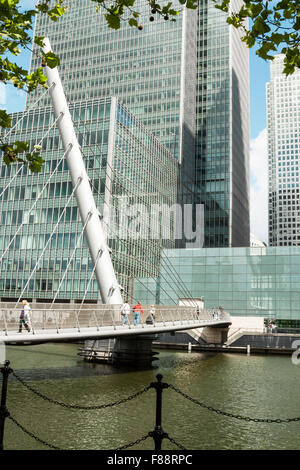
105,316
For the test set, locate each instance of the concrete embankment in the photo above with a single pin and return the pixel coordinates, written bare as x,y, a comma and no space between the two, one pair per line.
257,343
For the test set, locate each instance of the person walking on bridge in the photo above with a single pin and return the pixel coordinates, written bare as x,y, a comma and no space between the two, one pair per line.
137,310
151,317
125,311
25,316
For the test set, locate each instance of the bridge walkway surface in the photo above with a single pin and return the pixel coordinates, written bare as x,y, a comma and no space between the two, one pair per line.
104,321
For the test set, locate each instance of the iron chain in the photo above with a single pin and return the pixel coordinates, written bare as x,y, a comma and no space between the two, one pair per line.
232,415
33,436
174,442
80,407
126,446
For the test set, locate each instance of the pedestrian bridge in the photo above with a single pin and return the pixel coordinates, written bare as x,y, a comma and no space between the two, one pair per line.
101,322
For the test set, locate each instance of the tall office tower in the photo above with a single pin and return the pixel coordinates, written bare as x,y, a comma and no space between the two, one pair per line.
187,81
152,71
222,152
283,110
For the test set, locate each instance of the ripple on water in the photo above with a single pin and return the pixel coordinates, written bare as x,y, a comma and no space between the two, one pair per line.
256,386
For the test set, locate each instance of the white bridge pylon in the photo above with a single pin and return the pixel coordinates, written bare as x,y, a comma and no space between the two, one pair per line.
105,274
102,322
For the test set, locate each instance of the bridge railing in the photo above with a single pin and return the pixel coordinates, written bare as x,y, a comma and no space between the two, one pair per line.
104,316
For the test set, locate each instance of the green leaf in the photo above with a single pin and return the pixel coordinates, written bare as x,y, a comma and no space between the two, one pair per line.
277,38
253,10
35,161
20,147
5,120
42,7
260,26
56,12
192,4
6,159
113,21
264,50
52,60
133,22
39,40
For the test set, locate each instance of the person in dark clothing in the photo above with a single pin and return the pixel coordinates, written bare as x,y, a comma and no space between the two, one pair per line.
24,316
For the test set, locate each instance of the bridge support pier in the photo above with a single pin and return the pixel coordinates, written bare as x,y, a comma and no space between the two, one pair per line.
125,350
214,334
134,351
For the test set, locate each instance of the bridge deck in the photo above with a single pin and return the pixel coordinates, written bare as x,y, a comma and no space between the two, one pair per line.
68,334
101,322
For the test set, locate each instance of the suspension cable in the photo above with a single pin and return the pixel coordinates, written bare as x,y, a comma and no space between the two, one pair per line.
36,201
12,179
174,273
179,281
49,239
120,240
144,251
90,280
140,282
77,126
51,127
28,110
151,277
71,259
40,142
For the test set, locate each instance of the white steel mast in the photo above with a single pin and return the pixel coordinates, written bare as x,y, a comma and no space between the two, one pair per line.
105,274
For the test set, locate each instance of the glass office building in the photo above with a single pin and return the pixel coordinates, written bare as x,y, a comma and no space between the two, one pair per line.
258,281
187,81
222,140
283,111
147,70
127,167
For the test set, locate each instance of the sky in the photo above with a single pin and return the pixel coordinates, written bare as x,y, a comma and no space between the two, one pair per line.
259,76
14,100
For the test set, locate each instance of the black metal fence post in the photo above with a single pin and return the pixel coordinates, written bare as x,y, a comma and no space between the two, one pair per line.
158,434
5,371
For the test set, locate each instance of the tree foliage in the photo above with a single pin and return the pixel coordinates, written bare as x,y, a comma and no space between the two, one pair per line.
274,27
15,28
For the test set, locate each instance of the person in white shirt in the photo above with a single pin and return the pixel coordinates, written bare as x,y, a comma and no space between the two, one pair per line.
25,316
125,311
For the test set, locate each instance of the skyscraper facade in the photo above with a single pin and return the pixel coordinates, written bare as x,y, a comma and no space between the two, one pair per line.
222,140
147,70
187,81
283,114
43,252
